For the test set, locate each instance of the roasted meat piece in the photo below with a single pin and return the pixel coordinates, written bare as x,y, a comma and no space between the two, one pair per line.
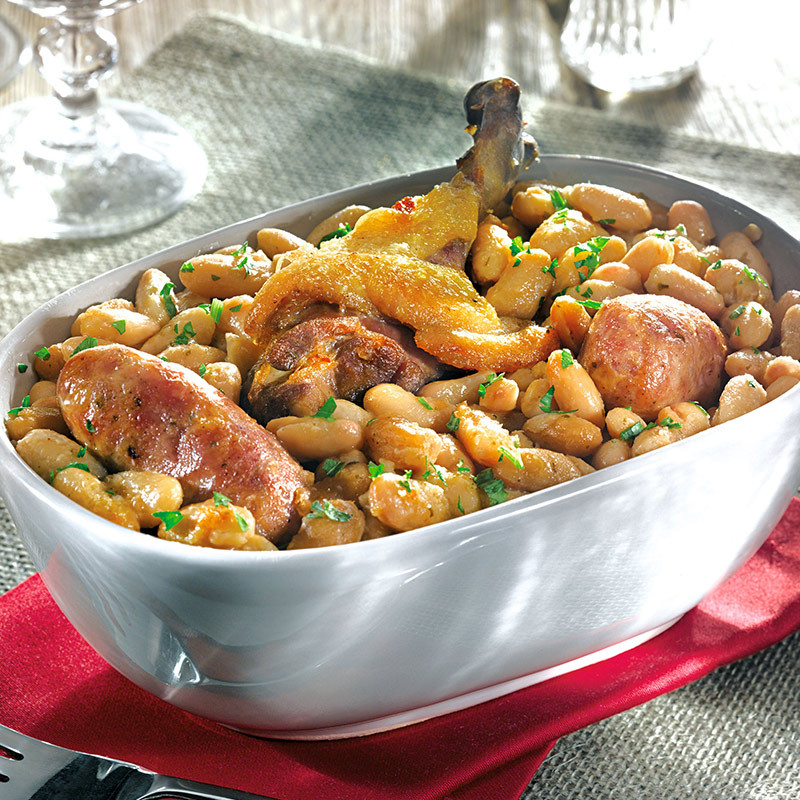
333,355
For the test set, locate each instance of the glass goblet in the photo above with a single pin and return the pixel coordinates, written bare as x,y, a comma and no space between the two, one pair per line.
72,166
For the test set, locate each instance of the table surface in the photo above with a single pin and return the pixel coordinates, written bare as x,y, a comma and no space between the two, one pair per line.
746,90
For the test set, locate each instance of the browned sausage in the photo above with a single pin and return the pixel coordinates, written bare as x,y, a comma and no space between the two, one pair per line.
648,351
138,412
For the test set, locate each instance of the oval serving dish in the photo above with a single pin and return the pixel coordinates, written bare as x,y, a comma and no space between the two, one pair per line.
354,639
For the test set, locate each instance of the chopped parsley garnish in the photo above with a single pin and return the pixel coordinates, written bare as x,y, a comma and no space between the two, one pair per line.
166,295
221,500
183,336
431,470
43,354
90,426
424,403
215,277
86,344
119,325
670,423
753,275
327,509
717,264
736,332
566,359
326,409
551,268
213,309
342,230
201,370
737,312
82,452
512,457
406,483
517,247
234,309
680,229
607,221
375,469
695,403
169,518
187,267
332,467
493,487
632,431
24,367
74,465
546,403
459,506
453,423
595,304
26,402
241,521
591,261
558,201
488,382
461,466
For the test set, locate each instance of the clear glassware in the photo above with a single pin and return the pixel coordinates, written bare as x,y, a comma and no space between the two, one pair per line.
634,45
72,166
14,53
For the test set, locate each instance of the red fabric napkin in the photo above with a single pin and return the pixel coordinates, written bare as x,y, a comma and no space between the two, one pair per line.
55,687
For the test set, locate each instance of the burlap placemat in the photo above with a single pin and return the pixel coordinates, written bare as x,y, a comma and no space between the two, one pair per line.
281,121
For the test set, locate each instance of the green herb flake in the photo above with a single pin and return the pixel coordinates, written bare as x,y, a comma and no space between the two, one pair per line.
695,403
185,335
215,310
234,309
201,370
459,506
461,466
220,500
432,470
680,229
670,423
551,268
493,487
512,457
21,368
332,467
42,354
169,518
736,332
566,359
75,465
546,403
717,264
166,295
82,452
86,344
453,423
119,325
493,377
406,482
375,469
26,402
326,409
595,304
187,267
90,426
215,277
325,508
342,230
242,522
737,312
607,221
558,201
424,403
632,431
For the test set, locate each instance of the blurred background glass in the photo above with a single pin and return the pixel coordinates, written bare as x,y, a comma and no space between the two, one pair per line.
634,45
14,53
73,166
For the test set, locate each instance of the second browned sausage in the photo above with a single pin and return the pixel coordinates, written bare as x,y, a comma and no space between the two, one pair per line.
649,351
136,411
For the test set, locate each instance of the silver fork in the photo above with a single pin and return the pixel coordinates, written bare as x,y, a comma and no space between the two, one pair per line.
34,770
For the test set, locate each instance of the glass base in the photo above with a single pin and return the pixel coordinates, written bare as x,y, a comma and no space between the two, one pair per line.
119,170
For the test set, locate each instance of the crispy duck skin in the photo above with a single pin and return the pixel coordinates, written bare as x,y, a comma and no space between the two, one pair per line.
137,412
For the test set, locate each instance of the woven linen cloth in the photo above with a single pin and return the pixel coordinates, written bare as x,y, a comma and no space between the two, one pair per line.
281,121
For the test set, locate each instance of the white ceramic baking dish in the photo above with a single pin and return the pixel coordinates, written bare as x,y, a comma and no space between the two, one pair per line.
359,638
